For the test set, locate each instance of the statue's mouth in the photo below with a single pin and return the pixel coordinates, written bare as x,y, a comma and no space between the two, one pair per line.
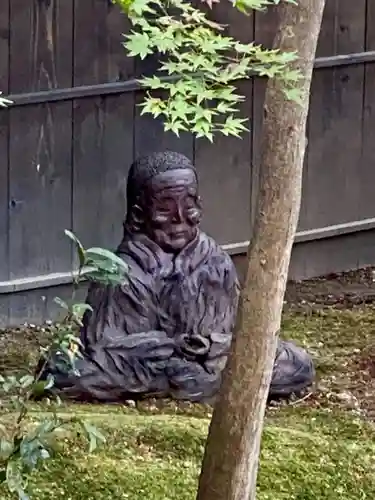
179,234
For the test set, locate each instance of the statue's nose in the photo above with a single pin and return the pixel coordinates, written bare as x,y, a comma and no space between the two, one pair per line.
178,215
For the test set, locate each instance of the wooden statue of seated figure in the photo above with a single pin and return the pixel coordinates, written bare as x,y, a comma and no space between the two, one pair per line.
166,332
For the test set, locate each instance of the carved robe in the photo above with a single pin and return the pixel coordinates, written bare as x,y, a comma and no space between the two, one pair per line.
167,331
164,332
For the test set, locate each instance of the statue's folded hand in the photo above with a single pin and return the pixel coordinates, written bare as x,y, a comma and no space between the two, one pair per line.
192,346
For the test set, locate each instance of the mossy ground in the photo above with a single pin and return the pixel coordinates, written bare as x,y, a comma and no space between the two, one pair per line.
320,448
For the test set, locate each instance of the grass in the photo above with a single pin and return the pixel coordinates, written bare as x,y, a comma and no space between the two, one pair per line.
322,448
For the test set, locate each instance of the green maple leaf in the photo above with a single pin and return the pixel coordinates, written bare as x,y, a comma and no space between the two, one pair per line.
137,7
139,44
293,94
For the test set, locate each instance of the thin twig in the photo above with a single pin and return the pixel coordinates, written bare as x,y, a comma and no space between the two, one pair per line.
294,403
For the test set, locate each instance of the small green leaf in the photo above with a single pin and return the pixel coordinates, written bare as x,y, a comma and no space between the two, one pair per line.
104,278
47,426
245,6
14,479
175,126
139,44
154,106
61,303
225,107
102,253
6,449
26,381
40,387
138,7
292,76
10,383
153,83
293,94
105,262
79,247
94,435
80,309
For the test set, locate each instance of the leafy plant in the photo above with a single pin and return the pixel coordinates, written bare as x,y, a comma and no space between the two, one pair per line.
200,65
23,447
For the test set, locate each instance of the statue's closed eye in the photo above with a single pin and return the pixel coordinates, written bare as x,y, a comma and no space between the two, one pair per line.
161,218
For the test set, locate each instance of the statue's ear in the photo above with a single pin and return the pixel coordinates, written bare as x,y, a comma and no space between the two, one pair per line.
137,218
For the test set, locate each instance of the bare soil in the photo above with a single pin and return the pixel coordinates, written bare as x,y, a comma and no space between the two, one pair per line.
343,290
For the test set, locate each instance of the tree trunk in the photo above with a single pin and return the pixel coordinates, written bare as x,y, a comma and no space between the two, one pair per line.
231,458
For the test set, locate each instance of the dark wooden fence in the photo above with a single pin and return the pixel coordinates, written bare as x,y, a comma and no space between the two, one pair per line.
75,127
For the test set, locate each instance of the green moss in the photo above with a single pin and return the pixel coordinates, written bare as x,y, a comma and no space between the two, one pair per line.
154,452
334,337
305,455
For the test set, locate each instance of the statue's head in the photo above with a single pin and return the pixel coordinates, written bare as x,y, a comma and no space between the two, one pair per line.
163,201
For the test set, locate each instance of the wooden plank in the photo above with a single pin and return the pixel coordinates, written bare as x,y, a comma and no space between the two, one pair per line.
4,145
351,24
103,152
27,307
343,253
40,138
4,117
103,127
40,182
224,170
334,186
40,146
326,42
225,167
98,54
342,30
319,258
4,45
370,32
366,167
38,306
41,47
4,212
265,25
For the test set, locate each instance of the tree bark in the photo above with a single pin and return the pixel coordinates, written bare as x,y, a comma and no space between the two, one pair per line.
230,464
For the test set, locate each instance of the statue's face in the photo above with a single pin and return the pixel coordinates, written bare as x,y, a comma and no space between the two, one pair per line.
172,210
